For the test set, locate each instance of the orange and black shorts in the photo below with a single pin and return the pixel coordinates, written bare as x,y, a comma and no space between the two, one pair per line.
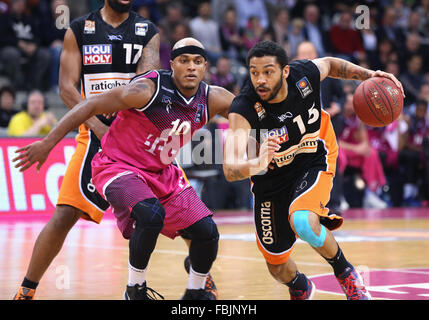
77,189
274,235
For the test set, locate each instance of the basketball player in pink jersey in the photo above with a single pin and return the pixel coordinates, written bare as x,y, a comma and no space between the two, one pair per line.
158,112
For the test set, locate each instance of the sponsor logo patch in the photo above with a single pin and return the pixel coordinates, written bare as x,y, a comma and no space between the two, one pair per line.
141,29
260,110
304,87
199,114
281,133
97,54
89,27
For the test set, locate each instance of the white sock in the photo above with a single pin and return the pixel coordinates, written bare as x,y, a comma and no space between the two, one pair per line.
196,280
136,276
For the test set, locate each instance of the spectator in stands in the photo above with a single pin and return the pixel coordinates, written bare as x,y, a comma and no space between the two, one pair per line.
411,157
181,30
358,160
220,7
147,9
412,79
274,6
33,120
389,141
280,26
52,38
403,12
413,25
231,36
296,36
385,49
370,44
206,30
223,77
388,28
247,9
423,96
313,30
173,17
24,61
346,41
253,33
423,11
7,103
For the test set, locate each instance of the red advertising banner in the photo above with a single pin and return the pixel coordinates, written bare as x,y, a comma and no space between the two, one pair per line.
29,191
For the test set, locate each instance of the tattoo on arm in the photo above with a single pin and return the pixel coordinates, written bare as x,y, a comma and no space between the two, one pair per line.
235,174
149,60
346,70
136,88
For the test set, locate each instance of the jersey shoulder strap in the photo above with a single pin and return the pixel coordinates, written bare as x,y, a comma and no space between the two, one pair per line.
83,25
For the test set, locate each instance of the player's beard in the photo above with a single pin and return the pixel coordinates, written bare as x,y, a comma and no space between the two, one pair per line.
275,90
118,7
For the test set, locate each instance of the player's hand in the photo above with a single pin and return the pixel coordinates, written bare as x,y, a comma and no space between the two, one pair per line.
390,76
110,115
30,154
267,151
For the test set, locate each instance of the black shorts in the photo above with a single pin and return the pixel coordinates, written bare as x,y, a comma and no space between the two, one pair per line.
311,191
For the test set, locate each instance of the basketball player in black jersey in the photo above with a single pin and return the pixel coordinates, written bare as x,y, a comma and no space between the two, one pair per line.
102,50
292,174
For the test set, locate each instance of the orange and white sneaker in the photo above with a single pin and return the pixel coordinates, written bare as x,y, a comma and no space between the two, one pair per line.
303,295
210,285
352,284
25,294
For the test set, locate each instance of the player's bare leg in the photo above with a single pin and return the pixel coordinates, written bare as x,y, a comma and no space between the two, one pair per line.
300,287
306,225
47,246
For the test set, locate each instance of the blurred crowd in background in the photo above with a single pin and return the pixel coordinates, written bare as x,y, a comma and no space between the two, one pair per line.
377,167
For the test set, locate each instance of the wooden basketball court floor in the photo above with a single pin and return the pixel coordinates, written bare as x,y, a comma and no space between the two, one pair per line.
389,247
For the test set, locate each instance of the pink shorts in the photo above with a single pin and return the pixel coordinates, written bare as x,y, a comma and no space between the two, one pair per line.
124,186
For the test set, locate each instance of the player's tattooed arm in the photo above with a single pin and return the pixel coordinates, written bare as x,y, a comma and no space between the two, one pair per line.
149,59
235,175
341,69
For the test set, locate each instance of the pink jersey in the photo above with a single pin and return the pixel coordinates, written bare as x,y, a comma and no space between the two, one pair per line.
149,138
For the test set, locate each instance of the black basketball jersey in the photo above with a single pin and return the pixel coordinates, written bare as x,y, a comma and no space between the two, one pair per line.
305,131
110,55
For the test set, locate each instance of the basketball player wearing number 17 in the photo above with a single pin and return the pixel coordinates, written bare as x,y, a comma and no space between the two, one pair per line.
292,173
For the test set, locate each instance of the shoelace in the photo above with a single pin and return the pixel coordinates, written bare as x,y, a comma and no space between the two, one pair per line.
153,294
351,288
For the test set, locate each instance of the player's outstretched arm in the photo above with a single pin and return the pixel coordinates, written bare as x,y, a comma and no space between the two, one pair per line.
133,95
235,167
343,69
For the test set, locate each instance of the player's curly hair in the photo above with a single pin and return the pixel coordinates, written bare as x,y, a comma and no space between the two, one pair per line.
268,48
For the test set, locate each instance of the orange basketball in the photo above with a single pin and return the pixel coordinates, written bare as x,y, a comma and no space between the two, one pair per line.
378,101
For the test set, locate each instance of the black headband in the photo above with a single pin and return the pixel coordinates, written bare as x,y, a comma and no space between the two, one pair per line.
190,50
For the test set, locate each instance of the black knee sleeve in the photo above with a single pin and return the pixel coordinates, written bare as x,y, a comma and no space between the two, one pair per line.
204,244
149,216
